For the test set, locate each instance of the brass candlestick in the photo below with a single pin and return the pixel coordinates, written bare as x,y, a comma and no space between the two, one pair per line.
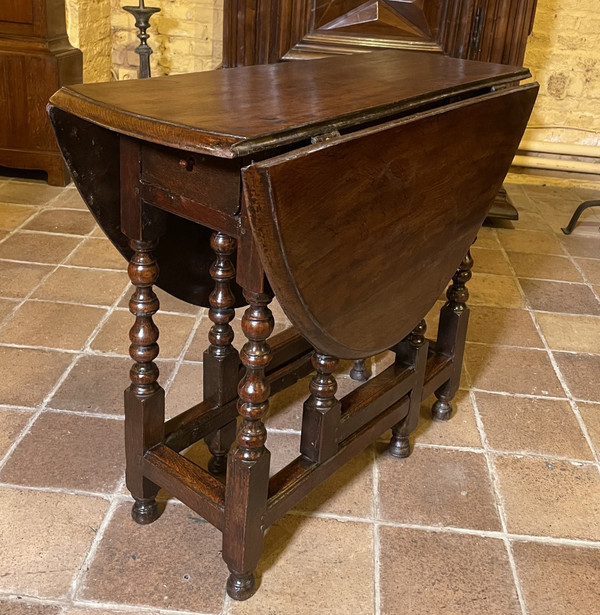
142,14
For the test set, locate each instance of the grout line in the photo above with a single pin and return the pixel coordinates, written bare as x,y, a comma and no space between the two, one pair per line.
375,512
85,564
499,502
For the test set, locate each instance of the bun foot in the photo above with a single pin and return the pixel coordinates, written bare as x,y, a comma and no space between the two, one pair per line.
360,371
217,465
441,410
241,586
399,447
144,511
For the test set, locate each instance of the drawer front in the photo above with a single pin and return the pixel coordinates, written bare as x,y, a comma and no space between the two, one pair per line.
16,11
209,181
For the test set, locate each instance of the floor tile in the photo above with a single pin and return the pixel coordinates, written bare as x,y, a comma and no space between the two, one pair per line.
532,242
83,286
550,497
54,325
566,332
582,246
87,453
505,326
18,279
565,297
314,566
18,607
38,247
30,193
591,417
490,261
114,335
186,390
98,253
590,268
487,238
29,375
495,368
175,563
425,573
11,425
69,221
544,266
525,425
12,216
558,579
460,430
494,291
70,199
45,537
168,303
438,487
96,385
95,611
580,372
6,307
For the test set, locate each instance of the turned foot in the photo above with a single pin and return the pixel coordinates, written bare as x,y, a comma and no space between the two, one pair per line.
399,447
217,465
144,511
441,410
360,371
241,586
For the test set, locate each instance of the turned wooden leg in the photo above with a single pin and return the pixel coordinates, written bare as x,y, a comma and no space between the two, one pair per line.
322,411
221,359
452,334
411,351
360,371
144,399
248,464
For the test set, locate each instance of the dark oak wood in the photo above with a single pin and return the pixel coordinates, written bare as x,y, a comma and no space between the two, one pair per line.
36,59
346,212
396,192
267,31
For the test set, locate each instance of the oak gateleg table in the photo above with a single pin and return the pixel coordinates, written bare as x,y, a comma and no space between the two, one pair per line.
350,188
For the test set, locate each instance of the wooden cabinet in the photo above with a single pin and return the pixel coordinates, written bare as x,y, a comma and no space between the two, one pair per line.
36,59
267,31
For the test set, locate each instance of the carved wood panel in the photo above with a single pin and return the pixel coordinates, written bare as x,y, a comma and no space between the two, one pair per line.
265,31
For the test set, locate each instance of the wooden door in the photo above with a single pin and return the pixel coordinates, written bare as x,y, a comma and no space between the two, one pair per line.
266,31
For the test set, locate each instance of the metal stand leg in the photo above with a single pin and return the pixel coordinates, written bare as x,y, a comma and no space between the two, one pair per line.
573,221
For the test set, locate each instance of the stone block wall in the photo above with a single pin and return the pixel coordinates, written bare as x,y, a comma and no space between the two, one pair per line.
564,56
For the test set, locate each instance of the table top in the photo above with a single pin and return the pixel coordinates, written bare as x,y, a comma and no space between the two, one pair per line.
240,111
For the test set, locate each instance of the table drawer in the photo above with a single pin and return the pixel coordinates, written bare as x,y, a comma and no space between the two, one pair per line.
212,182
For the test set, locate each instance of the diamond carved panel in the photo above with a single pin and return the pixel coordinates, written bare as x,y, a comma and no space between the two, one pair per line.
404,19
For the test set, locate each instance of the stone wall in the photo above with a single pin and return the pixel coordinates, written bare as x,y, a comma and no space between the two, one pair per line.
564,56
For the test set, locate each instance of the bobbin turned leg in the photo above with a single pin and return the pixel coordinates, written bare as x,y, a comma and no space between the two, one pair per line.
248,464
221,359
322,411
144,399
411,351
452,333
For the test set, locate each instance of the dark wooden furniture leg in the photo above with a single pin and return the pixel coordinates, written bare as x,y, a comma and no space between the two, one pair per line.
322,411
248,464
145,398
452,334
221,359
360,371
410,351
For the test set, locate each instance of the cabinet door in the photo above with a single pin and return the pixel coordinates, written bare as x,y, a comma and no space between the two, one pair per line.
16,11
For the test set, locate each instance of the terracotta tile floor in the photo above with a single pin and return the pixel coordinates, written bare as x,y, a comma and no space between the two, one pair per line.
496,512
